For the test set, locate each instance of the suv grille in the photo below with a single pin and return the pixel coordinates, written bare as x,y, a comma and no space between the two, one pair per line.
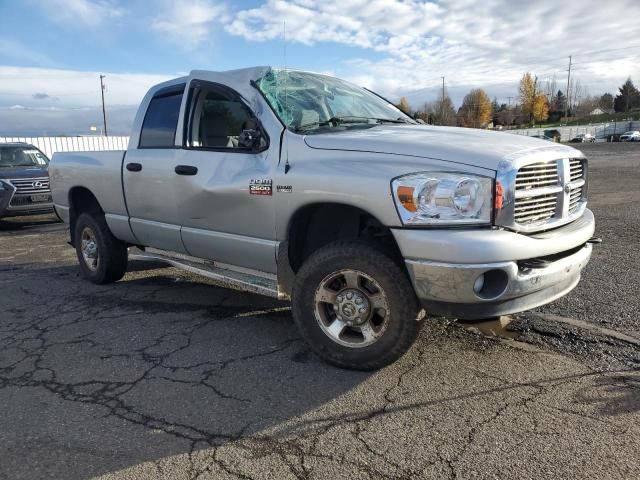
546,194
31,185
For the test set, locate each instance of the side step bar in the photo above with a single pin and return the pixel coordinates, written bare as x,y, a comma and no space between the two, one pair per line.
228,275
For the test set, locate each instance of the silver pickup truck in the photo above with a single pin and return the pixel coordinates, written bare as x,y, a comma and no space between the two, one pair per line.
305,187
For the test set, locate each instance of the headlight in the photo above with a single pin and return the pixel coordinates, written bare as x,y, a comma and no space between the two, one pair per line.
441,198
3,186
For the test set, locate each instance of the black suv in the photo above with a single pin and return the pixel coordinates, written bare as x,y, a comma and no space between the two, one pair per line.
24,180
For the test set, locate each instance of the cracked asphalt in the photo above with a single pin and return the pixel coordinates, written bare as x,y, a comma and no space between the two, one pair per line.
166,375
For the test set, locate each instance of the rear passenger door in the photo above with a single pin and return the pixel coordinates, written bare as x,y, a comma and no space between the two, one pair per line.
150,184
225,201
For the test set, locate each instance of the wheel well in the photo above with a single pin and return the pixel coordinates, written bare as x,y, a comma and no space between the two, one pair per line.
81,200
314,226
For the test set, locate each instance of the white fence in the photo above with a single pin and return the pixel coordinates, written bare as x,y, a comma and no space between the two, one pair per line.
601,131
50,145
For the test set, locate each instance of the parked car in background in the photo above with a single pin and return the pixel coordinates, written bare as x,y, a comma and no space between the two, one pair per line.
633,136
583,138
543,137
24,181
305,187
553,135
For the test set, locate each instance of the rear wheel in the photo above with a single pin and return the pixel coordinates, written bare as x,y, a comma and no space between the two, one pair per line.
102,257
355,306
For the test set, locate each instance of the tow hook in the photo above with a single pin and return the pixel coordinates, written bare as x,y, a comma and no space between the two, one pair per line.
594,240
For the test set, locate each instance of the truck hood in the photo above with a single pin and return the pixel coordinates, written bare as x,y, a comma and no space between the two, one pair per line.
480,148
23,172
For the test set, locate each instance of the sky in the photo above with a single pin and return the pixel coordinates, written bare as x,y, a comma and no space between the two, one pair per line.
53,51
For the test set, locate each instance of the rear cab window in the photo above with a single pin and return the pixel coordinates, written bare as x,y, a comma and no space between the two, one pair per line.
161,119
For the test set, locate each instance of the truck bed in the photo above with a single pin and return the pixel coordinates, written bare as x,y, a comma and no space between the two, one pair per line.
98,172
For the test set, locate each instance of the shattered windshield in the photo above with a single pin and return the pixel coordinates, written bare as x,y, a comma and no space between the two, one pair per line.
311,103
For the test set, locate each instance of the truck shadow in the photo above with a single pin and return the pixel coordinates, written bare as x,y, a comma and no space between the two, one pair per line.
162,364
187,362
619,394
39,223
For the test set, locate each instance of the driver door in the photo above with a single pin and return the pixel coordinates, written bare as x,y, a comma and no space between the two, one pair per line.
225,203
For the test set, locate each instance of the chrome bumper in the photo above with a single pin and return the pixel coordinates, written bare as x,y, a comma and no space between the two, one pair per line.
474,291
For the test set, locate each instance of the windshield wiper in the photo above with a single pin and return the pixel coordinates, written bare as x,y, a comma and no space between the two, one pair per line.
332,121
343,120
391,120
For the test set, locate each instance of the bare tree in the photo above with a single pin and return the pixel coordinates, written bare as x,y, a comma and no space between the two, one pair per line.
587,104
550,88
575,93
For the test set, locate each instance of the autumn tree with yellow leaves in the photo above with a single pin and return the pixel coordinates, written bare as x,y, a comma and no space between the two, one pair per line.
404,105
476,111
540,110
534,103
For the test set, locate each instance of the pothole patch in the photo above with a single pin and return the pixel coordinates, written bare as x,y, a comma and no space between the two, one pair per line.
601,348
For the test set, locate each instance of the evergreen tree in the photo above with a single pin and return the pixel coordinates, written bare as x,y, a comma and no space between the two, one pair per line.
628,98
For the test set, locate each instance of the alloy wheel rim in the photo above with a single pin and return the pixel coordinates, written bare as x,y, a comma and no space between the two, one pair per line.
89,249
351,308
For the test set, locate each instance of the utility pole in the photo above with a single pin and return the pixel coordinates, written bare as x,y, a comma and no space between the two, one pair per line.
533,100
566,101
442,104
104,114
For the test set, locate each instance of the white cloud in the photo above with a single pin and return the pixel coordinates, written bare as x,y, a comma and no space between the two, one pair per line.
471,43
72,88
85,12
21,121
189,22
383,25
35,100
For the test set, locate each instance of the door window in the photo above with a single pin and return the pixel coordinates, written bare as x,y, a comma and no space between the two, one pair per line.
219,120
161,120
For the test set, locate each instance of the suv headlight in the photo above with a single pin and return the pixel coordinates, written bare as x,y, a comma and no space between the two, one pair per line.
443,198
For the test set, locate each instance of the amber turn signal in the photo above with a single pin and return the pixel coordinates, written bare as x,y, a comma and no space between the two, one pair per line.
405,195
499,193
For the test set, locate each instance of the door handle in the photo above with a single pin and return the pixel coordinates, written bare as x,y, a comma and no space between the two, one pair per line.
134,167
186,170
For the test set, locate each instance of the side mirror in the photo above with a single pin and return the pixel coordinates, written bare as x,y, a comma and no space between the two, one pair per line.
249,138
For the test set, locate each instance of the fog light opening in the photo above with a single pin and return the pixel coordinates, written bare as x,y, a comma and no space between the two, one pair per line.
491,284
479,283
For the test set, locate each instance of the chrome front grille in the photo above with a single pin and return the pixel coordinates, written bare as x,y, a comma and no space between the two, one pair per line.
534,200
28,186
537,175
541,195
576,194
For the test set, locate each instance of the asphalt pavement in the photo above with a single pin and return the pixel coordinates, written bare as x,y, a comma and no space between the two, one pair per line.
166,375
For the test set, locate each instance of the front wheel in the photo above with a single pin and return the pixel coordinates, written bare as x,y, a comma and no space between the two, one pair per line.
102,257
355,306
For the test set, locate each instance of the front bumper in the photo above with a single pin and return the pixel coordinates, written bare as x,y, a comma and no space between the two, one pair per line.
504,281
13,204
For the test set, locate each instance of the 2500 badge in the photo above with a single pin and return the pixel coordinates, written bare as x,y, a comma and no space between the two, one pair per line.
260,186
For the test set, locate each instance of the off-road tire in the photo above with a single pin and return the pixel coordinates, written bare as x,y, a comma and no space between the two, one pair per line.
402,327
112,263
